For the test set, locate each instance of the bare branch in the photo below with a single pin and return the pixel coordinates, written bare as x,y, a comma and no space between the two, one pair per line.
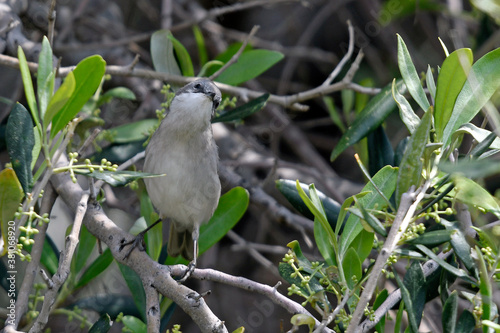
152,308
64,266
249,285
345,58
52,21
237,55
407,207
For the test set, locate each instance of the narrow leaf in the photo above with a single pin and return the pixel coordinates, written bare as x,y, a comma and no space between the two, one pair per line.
406,113
249,65
363,244
60,98
352,268
242,111
162,53
485,288
471,168
134,131
432,238
471,193
183,56
88,75
483,80
414,281
431,84
449,318
410,168
374,113
98,266
466,323
84,250
406,296
20,142
450,81
385,179
410,76
28,83
45,77
103,325
11,194
134,284
479,134
116,178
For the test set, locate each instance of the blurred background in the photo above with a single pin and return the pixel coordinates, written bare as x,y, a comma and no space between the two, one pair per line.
272,144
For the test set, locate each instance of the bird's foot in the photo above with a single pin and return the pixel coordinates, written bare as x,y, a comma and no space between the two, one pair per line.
188,272
137,242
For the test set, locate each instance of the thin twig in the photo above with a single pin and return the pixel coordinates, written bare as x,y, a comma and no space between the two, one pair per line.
237,55
166,14
407,207
64,266
249,285
52,21
345,58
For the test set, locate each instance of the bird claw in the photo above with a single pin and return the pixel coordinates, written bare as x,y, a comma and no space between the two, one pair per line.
188,272
138,242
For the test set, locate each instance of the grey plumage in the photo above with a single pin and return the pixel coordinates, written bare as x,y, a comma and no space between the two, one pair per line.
184,150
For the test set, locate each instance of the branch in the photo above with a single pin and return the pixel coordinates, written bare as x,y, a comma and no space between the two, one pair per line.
345,58
236,56
407,207
428,268
64,266
288,101
151,273
251,286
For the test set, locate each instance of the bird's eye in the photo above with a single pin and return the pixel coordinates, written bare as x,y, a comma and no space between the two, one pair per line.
197,86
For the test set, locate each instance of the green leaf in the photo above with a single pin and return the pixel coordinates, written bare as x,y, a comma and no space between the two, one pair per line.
461,247
37,147
200,43
471,168
103,325
471,193
372,221
449,318
332,111
483,80
28,84
381,297
134,284
374,113
60,98
116,178
84,250
450,81
410,168
11,194
232,206
162,53
453,270
431,84
45,76
154,239
406,113
134,324
289,190
98,266
287,272
466,323
88,75
118,92
485,288
182,55
50,256
301,258
432,238
303,319
410,76
479,134
407,299
399,318
363,244
414,281
134,131
351,265
380,152
20,141
385,180
323,232
242,111
249,65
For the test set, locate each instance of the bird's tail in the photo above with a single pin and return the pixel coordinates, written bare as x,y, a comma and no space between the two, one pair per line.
180,242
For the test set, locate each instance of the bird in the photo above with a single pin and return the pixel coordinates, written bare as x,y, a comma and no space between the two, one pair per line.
184,152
